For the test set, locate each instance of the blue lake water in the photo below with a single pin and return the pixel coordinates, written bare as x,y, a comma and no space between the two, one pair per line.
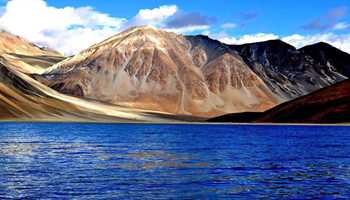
121,161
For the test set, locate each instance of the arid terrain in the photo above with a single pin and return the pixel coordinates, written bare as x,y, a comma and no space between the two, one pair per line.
147,74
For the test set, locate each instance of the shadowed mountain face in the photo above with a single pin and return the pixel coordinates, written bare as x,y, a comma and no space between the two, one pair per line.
327,55
152,69
328,105
291,73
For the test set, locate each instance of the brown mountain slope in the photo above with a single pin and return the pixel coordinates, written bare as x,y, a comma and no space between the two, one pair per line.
328,105
23,98
157,70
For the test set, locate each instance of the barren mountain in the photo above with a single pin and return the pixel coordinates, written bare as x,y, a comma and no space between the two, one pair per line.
152,69
145,74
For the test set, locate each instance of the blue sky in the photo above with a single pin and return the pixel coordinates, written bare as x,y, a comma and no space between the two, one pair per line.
69,26
275,16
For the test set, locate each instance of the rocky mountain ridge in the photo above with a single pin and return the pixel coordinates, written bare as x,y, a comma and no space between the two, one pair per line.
147,68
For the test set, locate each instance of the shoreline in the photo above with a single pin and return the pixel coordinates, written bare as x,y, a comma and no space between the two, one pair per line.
171,123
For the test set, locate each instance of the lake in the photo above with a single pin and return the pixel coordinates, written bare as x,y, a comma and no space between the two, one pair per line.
144,161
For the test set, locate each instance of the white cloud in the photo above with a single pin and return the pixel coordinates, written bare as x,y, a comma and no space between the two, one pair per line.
188,29
154,17
158,17
65,29
341,26
70,30
258,37
229,26
340,41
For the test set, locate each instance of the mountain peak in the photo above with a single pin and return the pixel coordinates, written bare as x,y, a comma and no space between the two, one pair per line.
319,46
275,43
143,28
134,34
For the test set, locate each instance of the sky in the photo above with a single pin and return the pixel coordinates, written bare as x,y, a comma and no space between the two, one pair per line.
70,26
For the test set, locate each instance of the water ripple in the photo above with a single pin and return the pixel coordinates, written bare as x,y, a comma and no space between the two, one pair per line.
90,161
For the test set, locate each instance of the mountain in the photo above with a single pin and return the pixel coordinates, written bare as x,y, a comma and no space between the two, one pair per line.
152,69
328,105
147,68
23,98
144,70
291,73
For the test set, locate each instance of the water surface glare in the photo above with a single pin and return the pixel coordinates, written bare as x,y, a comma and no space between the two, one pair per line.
123,161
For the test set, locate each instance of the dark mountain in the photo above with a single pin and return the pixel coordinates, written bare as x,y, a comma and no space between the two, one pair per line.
325,54
290,72
328,105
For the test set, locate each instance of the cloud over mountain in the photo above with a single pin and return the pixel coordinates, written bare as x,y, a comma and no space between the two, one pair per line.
72,29
60,28
154,17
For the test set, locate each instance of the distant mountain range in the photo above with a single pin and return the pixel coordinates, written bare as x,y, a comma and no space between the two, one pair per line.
157,75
